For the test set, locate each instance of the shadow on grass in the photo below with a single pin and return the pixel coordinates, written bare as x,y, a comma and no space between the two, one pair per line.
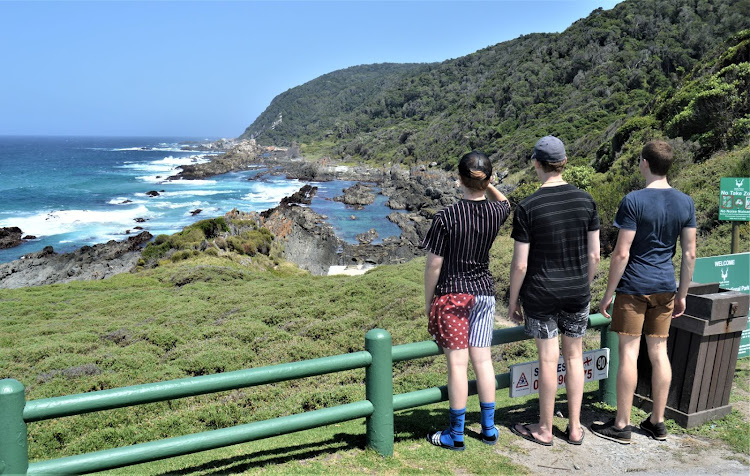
240,464
409,425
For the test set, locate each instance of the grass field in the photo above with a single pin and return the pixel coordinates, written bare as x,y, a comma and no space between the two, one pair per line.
209,314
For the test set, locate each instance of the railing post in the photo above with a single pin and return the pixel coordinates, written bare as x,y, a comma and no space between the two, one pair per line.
14,452
608,386
379,391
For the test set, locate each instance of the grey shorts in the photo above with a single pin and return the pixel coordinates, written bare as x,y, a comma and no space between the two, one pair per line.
572,324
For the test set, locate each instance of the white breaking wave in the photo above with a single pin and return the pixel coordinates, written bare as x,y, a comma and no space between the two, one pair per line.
273,193
67,221
197,193
172,205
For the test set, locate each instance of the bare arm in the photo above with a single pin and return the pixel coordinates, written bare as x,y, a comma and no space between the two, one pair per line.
431,275
593,253
518,266
494,194
687,242
620,257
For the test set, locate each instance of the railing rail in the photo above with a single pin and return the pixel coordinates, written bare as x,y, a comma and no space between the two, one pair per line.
378,408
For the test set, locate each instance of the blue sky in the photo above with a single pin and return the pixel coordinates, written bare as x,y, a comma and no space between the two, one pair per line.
208,69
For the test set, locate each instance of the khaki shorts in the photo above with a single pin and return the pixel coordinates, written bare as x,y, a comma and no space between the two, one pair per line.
637,314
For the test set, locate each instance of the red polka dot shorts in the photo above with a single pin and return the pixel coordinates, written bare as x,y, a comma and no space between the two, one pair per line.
449,320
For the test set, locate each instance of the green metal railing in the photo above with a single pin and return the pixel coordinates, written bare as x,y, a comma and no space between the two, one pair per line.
378,407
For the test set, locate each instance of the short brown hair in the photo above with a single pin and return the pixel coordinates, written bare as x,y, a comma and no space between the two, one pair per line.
659,156
550,167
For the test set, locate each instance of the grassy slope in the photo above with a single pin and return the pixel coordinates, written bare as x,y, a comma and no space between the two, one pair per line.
207,314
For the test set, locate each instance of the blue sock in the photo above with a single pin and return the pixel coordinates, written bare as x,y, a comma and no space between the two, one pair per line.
488,418
456,430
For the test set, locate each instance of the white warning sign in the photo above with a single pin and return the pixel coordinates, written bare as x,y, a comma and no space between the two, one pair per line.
524,378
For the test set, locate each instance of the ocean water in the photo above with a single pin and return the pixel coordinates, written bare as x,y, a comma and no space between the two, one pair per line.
76,191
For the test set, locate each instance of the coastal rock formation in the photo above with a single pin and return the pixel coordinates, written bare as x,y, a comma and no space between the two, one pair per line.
312,244
87,263
237,158
357,196
10,237
367,237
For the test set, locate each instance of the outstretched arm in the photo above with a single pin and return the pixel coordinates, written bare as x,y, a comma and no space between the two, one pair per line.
687,242
620,257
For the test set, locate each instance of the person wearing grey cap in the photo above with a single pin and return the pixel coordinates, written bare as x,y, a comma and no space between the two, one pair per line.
555,258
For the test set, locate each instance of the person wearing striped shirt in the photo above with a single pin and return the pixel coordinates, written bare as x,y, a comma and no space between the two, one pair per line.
555,258
460,294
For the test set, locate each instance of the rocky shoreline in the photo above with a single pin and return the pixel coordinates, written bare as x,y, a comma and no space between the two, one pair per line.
85,264
415,195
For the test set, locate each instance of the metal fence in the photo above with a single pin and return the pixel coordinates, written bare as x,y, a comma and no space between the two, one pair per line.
378,407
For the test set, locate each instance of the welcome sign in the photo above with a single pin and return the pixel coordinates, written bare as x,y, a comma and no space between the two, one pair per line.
731,272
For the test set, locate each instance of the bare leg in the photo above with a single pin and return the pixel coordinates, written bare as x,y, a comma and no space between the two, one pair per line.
661,375
458,385
549,354
627,377
572,349
481,360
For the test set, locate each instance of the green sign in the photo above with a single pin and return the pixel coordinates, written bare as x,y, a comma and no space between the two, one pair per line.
734,199
731,272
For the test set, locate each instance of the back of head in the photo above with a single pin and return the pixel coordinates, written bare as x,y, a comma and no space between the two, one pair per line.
659,156
475,170
549,151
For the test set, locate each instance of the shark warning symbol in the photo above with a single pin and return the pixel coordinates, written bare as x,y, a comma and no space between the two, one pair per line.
522,382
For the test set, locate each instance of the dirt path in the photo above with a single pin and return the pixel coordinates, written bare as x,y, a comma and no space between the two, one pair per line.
680,454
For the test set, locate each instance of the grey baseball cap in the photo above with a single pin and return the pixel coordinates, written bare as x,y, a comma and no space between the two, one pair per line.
549,149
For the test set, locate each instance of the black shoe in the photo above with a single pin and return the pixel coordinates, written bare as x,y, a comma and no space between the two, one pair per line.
609,432
656,431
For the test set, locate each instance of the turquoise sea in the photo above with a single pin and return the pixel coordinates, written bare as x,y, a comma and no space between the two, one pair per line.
74,191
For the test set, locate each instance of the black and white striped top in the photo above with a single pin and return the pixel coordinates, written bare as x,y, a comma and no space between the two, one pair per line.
555,221
463,234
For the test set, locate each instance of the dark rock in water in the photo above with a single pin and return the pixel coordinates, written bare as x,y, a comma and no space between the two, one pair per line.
357,195
152,193
138,228
87,263
196,211
367,237
140,220
303,196
10,237
29,237
126,201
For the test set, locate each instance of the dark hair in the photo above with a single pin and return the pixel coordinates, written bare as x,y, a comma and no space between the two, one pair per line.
550,167
659,156
475,170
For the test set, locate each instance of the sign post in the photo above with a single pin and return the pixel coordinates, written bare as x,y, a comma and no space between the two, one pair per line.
734,205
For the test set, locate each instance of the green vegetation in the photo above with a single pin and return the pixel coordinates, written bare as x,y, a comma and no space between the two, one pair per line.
603,71
214,237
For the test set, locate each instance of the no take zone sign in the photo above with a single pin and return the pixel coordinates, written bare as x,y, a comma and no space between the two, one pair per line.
524,378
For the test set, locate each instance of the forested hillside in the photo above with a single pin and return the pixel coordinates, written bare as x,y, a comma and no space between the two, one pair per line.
582,85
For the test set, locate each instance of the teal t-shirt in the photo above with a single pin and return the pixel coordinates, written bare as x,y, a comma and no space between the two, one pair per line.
658,216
